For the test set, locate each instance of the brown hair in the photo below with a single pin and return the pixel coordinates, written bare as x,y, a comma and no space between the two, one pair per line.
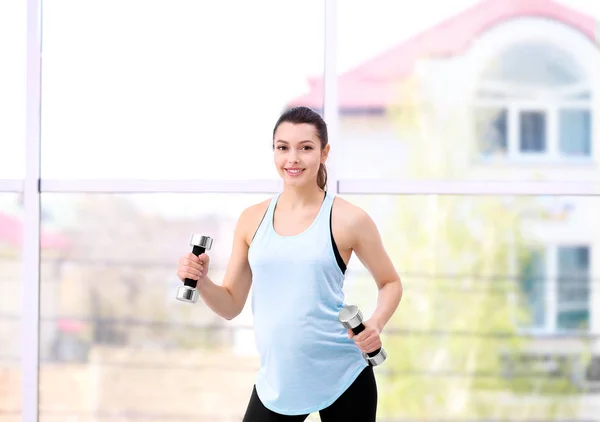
301,114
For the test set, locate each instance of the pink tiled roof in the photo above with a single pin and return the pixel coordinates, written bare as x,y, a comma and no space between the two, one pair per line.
371,84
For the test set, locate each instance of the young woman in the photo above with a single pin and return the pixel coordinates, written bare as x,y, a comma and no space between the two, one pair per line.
294,249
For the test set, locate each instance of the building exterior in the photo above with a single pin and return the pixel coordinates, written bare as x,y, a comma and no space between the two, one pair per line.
505,91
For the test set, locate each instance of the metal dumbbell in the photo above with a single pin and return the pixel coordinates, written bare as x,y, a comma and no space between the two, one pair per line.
188,292
351,318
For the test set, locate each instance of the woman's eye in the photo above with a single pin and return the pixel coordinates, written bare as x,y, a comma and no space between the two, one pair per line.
304,148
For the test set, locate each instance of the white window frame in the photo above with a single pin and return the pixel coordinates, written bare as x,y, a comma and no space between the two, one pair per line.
520,99
31,187
551,287
532,29
551,111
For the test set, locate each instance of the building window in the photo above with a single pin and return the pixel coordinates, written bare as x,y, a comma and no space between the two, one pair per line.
532,131
533,101
573,287
492,130
575,132
556,286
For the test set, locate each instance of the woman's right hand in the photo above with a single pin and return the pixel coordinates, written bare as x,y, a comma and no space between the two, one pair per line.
193,267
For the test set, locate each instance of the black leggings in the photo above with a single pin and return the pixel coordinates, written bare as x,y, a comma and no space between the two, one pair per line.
357,404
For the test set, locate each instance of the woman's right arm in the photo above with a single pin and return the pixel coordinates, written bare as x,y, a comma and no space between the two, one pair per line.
228,299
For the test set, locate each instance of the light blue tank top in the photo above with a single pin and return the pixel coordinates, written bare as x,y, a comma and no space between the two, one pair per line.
306,358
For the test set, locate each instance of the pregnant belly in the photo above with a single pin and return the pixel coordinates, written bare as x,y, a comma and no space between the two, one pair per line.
299,338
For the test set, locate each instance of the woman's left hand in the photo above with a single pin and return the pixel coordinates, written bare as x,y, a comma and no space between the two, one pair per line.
368,340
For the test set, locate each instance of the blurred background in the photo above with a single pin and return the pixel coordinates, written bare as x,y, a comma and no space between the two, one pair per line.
156,122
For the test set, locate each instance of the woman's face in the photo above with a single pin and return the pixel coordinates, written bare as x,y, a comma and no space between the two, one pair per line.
297,153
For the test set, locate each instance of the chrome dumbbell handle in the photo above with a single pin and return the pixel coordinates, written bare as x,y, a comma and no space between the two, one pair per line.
351,317
188,292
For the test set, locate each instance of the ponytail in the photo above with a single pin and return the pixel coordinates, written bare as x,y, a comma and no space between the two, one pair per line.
322,177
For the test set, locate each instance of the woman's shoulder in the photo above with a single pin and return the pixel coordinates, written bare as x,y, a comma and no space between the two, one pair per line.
254,211
350,215
258,208
251,217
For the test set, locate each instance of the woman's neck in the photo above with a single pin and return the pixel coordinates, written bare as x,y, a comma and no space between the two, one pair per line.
300,197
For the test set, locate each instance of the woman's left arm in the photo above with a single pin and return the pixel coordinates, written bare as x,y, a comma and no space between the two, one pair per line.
368,247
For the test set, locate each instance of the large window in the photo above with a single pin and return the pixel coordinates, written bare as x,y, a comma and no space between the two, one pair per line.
534,101
540,250
109,317
171,91
468,313
156,123
465,100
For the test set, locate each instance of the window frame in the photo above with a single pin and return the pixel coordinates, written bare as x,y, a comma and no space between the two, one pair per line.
551,289
551,108
32,186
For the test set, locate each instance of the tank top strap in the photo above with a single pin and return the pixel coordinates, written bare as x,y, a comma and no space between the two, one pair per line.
329,197
266,223
323,216
269,215
271,208
328,206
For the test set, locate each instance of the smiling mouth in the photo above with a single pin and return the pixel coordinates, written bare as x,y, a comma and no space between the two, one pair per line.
294,172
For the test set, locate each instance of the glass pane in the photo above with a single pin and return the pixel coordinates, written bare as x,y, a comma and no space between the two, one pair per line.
491,131
535,64
415,84
475,321
13,50
110,320
574,287
10,307
534,284
533,131
175,89
575,132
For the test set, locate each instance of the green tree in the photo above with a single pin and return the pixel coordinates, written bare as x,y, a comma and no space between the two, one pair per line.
460,257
